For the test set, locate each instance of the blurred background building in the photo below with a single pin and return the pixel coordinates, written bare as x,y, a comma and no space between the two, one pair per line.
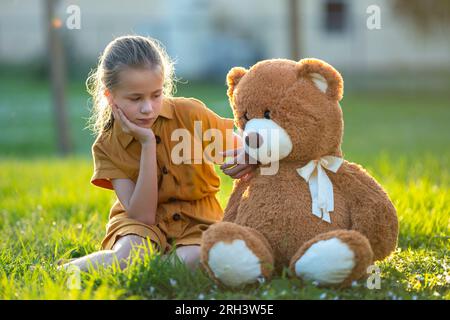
209,37
380,46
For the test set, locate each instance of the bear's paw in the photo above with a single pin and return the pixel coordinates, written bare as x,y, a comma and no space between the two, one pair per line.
328,262
234,264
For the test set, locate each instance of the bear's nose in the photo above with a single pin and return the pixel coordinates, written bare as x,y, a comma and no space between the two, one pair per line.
253,140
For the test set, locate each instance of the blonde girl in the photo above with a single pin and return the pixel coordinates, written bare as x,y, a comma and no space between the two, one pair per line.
159,204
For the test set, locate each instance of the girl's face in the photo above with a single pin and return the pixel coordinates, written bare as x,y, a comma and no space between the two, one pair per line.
139,94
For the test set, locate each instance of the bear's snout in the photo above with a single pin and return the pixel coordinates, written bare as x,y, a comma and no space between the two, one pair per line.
266,141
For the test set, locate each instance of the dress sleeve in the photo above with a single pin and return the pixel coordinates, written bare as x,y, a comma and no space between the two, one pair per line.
104,168
211,120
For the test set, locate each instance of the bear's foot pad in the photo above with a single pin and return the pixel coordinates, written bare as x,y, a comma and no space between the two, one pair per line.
328,262
234,263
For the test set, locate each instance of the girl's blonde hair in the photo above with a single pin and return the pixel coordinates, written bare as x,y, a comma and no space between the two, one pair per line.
123,52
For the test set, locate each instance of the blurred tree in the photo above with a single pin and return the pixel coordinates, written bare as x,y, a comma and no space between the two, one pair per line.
294,31
57,65
425,14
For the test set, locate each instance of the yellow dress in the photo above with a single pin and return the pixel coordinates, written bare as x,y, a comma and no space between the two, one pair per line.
187,202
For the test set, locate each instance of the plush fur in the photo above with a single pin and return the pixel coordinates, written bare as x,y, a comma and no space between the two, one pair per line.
272,213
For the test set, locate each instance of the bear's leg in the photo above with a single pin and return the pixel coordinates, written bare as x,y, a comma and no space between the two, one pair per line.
235,255
334,258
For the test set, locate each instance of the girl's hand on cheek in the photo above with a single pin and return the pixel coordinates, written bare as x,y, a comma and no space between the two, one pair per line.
143,135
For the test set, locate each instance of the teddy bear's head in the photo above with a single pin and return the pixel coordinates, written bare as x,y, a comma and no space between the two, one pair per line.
288,110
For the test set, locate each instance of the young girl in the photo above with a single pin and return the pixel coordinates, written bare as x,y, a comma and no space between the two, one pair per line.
134,115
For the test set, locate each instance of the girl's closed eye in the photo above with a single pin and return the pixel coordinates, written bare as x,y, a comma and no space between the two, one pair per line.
157,94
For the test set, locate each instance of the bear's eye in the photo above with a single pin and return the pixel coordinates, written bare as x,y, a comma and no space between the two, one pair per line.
267,114
246,116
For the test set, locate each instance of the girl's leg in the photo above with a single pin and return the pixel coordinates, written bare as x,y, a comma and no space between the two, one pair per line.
190,255
121,251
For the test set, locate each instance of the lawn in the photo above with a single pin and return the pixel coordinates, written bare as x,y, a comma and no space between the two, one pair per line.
48,209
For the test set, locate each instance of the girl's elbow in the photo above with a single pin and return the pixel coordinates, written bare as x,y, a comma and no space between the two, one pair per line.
147,221
144,218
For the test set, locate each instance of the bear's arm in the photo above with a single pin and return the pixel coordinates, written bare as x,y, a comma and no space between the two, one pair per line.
372,212
231,210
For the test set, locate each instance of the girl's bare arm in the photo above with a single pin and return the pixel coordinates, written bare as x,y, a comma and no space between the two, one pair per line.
140,200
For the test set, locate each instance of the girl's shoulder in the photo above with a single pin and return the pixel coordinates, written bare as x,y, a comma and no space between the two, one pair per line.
189,108
186,103
112,140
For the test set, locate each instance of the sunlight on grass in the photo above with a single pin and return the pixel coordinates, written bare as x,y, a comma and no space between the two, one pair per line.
49,211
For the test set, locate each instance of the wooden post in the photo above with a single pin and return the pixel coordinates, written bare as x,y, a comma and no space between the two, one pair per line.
57,66
294,31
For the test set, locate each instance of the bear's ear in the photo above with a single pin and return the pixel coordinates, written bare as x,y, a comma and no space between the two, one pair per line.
324,76
233,78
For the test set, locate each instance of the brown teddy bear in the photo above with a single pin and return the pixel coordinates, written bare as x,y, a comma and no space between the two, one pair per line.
324,217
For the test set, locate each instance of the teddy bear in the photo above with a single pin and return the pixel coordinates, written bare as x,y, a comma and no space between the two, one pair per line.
322,217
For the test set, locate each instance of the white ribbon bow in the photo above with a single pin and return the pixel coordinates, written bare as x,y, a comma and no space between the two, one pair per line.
320,185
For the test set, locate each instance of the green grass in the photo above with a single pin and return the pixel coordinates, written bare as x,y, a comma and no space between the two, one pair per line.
49,211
